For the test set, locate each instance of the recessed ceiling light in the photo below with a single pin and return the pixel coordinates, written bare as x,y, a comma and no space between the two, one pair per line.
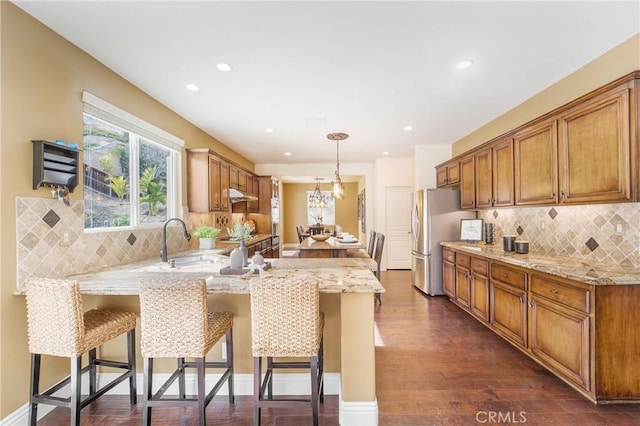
287,154
464,64
224,67
385,153
192,87
408,128
269,130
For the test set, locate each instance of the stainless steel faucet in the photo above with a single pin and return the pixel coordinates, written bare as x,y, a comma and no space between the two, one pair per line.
187,236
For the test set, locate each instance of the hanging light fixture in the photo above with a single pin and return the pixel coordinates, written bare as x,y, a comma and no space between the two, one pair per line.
338,188
317,201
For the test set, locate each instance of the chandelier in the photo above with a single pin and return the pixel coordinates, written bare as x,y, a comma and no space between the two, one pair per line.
338,188
317,200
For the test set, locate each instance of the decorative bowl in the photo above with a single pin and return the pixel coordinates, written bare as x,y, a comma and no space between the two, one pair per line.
320,237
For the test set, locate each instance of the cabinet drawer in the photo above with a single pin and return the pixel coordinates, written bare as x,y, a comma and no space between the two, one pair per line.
509,275
573,297
448,255
479,266
462,260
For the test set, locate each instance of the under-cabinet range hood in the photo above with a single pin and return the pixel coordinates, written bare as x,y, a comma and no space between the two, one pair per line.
236,196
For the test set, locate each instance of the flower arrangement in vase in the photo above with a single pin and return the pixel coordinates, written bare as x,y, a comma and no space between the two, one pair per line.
240,232
207,236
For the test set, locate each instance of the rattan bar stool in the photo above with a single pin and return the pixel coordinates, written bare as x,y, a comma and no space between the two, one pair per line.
176,323
286,322
58,326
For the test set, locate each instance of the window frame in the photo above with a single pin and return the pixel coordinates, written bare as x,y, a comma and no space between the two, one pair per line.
140,131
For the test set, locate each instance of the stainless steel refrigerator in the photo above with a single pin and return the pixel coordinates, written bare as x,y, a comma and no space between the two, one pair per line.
435,218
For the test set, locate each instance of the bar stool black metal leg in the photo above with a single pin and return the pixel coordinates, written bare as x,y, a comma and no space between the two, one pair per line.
131,365
148,374
75,403
229,344
35,386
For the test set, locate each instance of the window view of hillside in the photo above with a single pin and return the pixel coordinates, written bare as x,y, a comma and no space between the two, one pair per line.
125,177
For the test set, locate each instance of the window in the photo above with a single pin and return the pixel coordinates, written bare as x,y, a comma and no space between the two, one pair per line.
131,169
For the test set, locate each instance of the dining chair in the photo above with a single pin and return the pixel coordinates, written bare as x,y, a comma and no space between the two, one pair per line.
300,231
58,326
377,256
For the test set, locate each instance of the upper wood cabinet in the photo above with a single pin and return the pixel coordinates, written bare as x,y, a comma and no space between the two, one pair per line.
536,164
225,201
253,188
483,181
448,174
583,152
594,150
204,191
502,173
467,183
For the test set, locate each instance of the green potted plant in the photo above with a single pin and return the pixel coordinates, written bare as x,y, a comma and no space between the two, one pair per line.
207,236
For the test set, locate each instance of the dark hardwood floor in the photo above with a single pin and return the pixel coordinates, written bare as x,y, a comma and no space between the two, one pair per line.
436,365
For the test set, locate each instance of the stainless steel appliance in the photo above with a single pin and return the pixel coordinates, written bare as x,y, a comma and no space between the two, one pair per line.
435,218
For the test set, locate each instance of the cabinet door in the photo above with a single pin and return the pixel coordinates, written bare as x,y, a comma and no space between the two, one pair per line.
594,150
483,170
502,166
467,183
462,286
509,312
449,279
242,181
479,287
253,189
560,338
536,164
225,202
441,176
453,172
234,175
214,184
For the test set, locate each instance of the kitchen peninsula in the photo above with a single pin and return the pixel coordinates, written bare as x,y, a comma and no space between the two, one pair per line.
347,287
576,318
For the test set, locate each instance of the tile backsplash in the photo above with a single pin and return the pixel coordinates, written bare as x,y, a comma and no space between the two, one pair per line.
51,240
600,232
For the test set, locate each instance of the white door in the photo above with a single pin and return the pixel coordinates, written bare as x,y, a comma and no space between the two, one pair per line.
397,245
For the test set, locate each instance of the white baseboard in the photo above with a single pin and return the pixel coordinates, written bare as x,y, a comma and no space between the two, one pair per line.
351,413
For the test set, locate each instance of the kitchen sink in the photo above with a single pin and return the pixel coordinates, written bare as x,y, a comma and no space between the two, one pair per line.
193,259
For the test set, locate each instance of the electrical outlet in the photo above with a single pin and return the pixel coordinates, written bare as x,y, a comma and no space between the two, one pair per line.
619,228
65,240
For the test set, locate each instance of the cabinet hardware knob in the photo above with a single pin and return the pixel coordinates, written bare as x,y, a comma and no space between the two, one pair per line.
531,304
521,299
554,291
505,275
553,194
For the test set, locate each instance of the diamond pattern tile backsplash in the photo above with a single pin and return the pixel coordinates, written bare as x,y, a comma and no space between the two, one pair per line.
585,232
42,225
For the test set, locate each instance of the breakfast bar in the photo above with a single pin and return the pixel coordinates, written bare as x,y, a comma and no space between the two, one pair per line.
347,287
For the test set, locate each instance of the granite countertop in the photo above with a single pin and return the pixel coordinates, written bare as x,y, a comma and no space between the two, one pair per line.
337,275
594,273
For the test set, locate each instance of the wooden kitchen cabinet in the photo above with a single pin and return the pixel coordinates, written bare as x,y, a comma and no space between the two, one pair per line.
502,173
536,164
559,327
508,307
483,178
479,289
448,174
204,191
253,188
463,280
585,334
467,183
225,201
594,149
449,272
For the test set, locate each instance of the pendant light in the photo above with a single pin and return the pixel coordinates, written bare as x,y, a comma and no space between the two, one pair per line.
338,188
317,202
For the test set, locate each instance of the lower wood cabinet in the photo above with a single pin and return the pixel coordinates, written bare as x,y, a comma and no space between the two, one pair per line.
560,326
509,303
587,335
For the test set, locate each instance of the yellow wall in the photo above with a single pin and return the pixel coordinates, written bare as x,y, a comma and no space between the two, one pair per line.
42,80
294,206
619,61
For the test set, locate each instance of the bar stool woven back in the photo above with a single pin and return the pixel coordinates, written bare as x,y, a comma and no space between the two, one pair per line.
58,326
286,322
176,323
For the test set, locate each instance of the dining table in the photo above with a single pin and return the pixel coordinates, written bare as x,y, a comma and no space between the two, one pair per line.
332,247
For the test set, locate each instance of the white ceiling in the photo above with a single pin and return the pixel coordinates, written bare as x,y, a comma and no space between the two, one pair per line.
369,69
